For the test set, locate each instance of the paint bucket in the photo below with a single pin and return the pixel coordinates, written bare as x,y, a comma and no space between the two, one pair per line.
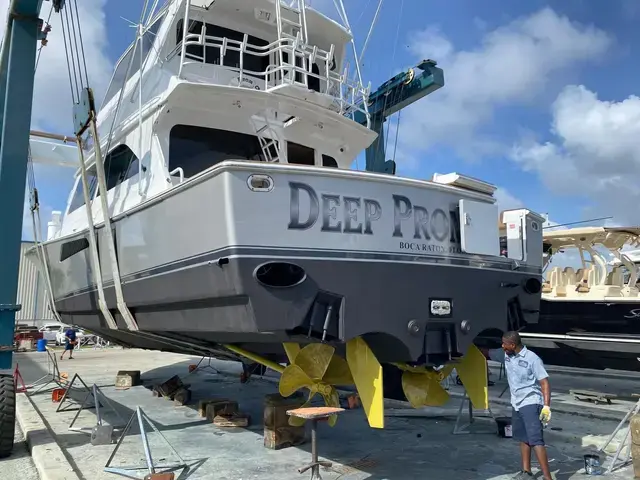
41,345
592,464
504,427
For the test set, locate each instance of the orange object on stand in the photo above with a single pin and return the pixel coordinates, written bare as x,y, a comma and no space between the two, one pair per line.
57,394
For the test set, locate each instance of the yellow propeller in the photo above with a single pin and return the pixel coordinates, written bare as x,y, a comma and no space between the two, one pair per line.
422,386
317,368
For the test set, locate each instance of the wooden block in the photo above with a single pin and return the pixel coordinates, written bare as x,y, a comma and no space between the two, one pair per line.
233,420
277,431
221,408
127,379
160,476
182,396
170,386
284,437
202,404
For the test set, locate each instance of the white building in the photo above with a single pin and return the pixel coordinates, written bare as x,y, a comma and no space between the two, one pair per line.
31,292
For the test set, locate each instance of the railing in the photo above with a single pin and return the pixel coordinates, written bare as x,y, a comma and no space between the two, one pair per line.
348,95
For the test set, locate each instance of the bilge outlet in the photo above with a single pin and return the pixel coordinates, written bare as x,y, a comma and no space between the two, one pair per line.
280,274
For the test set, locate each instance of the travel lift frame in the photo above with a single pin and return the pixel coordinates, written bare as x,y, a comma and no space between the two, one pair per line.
24,29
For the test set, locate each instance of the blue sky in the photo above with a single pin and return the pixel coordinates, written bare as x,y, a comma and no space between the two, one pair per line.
538,96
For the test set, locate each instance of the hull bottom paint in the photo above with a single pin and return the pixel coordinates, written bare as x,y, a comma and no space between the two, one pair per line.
595,335
196,305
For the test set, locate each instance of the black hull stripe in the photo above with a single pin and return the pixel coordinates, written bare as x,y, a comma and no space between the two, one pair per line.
316,254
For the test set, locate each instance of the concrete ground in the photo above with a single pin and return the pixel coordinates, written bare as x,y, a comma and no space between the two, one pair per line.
19,464
408,447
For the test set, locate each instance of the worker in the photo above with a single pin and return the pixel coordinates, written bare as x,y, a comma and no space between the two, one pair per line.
530,400
69,342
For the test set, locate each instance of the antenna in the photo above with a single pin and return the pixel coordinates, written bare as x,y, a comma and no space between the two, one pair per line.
575,223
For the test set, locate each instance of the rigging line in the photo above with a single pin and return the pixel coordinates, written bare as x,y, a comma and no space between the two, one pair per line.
69,51
373,24
48,22
84,59
395,45
357,22
66,52
77,50
151,13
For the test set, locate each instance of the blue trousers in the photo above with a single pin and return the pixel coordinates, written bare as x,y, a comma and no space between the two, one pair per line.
527,426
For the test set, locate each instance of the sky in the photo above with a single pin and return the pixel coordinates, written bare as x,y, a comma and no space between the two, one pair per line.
539,97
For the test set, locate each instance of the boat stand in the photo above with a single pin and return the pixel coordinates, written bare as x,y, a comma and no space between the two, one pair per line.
459,429
100,434
626,442
51,377
66,398
130,471
203,367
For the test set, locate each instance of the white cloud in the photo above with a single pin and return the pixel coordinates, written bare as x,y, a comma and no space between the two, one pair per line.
52,105
506,201
595,154
512,66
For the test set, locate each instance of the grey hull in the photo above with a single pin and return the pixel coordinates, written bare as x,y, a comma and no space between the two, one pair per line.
386,302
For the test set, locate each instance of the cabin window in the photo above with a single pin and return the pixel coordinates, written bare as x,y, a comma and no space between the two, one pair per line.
120,165
120,74
300,154
211,53
195,149
328,161
78,196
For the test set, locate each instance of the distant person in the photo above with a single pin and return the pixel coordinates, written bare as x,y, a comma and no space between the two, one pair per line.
69,342
530,400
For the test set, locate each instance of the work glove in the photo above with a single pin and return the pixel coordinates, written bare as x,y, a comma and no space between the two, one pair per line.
545,414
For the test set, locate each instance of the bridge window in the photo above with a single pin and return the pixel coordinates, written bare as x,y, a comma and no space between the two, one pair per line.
195,149
211,52
120,73
328,161
300,154
120,165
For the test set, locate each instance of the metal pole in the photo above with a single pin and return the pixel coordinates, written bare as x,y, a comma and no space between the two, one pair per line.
14,151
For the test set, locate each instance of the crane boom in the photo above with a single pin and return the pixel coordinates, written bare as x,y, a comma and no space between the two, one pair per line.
392,96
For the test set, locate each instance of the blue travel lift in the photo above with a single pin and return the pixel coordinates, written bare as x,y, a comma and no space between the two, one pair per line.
392,96
24,30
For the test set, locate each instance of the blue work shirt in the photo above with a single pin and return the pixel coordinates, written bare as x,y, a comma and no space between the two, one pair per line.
70,334
524,372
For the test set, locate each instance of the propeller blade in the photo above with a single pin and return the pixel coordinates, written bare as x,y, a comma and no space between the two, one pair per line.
367,374
423,389
291,349
338,372
297,421
314,359
332,400
293,378
473,375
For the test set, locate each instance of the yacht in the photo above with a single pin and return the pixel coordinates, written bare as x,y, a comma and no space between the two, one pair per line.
225,218
590,312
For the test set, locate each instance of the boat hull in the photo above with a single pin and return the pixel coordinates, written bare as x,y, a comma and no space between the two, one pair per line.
596,335
191,278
